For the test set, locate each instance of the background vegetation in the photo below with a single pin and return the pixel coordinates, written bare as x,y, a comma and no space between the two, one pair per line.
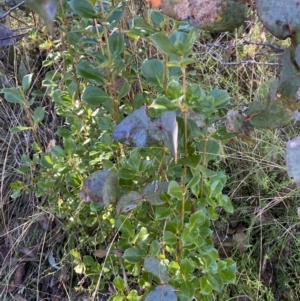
220,223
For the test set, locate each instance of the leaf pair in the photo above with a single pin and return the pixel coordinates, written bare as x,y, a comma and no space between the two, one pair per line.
138,130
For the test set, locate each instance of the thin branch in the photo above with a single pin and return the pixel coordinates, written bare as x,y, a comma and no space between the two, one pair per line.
248,62
11,10
277,49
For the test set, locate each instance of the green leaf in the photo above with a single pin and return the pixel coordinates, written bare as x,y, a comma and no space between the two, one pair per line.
123,224
46,162
63,132
162,213
216,282
209,149
57,151
205,285
126,173
90,72
133,255
12,95
186,266
187,291
163,43
188,237
155,248
162,103
174,89
226,204
154,72
95,207
133,296
190,40
169,238
83,8
141,28
221,98
94,96
195,93
175,190
156,17
26,159
124,90
116,44
119,283
205,107
156,268
195,181
18,129
212,214
114,18
268,116
70,146
221,134
88,260
209,255
186,61
74,180
26,82
190,161
228,276
38,115
179,41
197,219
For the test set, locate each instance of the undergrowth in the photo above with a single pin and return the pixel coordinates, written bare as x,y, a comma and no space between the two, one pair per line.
55,245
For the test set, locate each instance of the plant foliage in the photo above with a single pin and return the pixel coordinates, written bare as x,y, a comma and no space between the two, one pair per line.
137,144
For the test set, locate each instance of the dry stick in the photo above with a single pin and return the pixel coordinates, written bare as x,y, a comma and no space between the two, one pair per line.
245,43
11,10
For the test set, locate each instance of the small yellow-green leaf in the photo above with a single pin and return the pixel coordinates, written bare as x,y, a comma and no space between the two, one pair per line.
18,129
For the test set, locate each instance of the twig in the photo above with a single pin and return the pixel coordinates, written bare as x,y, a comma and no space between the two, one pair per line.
17,37
274,47
11,10
248,62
